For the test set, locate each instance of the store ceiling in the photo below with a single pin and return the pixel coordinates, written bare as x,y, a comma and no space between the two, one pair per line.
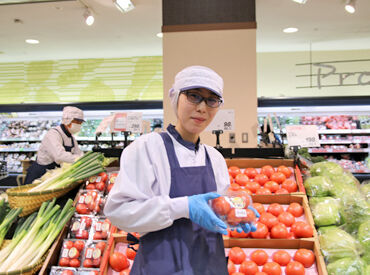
63,34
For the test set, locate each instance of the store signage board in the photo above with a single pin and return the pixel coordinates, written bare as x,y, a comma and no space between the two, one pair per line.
119,123
224,120
134,122
303,135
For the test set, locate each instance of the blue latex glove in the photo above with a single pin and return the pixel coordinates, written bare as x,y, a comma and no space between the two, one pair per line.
246,227
202,214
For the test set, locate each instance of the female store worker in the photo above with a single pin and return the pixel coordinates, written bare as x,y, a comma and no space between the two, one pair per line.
164,185
58,145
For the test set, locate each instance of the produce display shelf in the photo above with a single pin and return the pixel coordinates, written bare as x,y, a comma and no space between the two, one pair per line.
17,150
338,151
328,141
335,131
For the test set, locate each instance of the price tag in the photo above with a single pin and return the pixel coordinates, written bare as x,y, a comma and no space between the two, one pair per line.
119,122
303,135
134,122
224,120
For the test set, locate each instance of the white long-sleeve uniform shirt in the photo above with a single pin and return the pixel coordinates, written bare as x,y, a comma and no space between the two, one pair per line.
52,150
139,200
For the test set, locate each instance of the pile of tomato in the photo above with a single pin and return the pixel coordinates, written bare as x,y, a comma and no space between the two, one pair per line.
278,221
265,181
269,261
122,258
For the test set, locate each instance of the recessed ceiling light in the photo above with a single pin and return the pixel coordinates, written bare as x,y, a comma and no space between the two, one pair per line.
300,1
160,34
290,30
32,41
350,6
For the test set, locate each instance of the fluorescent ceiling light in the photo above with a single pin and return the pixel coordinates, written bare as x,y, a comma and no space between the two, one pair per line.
160,34
350,6
124,5
300,1
32,41
290,30
89,18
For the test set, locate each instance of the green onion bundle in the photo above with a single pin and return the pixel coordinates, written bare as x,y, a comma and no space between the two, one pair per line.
6,219
88,165
33,238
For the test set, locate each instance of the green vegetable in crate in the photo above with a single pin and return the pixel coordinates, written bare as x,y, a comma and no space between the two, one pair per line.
326,168
365,190
346,178
363,235
347,266
325,210
354,211
344,191
318,186
336,244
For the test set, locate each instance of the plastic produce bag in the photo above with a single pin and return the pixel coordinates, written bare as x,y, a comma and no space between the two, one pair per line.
325,211
318,186
347,266
326,168
354,211
363,235
336,244
365,189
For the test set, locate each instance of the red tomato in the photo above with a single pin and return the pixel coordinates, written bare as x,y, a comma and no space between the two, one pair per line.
232,219
88,263
96,262
294,268
278,177
305,257
273,186
263,191
234,170
67,272
101,246
261,273
221,206
268,219
110,186
125,272
295,209
291,236
90,186
275,209
231,267
68,244
267,170
236,234
251,172
113,177
251,217
279,231
118,261
81,208
252,186
302,230
234,187
261,232
248,268
243,194
281,257
79,245
74,263
231,179
272,268
259,207
237,255
237,273
282,191
83,234
97,236
130,253
289,185
241,179
103,176
64,262
285,170
286,218
100,186
259,256
261,179
87,221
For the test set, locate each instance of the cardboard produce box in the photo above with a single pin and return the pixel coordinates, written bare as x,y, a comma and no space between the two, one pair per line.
258,163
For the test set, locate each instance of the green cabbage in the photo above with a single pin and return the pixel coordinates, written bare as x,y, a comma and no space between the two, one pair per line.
346,178
347,266
326,168
365,190
367,269
325,210
354,211
363,235
336,244
318,186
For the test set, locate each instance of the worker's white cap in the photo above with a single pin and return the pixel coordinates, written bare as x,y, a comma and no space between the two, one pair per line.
194,77
70,113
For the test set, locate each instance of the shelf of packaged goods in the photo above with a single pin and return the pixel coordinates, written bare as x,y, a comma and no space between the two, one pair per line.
335,131
323,151
19,140
328,141
17,150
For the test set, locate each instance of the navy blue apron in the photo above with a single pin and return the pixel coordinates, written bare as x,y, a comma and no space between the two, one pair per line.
37,170
184,248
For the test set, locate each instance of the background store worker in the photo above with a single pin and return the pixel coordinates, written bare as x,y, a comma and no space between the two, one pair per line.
58,145
166,180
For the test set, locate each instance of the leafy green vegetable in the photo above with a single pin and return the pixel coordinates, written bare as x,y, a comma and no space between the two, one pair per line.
318,186
347,266
326,168
365,190
363,235
325,210
336,244
355,210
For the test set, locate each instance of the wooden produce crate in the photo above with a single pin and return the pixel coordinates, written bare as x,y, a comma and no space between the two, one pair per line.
258,163
281,244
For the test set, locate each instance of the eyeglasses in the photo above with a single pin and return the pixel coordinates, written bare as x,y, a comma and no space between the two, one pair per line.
196,98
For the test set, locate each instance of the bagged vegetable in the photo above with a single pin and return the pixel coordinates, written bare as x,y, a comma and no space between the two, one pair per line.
354,211
347,266
344,191
336,244
363,236
318,186
326,168
346,178
365,190
325,210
